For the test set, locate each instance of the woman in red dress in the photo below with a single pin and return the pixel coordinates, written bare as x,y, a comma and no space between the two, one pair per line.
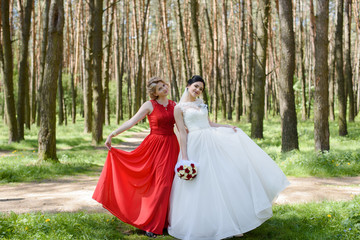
135,186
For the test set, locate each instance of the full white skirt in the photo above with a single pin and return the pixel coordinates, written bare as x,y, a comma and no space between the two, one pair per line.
233,191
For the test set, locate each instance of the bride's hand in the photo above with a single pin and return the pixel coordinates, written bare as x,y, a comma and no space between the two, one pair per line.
108,141
233,128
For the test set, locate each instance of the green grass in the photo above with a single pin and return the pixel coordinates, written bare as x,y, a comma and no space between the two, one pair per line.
325,220
19,161
77,155
343,159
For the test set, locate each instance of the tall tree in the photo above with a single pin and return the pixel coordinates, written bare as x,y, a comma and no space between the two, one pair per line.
347,65
61,96
250,60
120,44
88,80
44,41
226,76
239,72
302,63
184,56
257,106
340,68
321,96
8,73
107,62
216,63
23,83
194,6
47,132
289,135
98,111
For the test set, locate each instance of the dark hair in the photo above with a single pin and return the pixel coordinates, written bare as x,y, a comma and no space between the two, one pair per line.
195,78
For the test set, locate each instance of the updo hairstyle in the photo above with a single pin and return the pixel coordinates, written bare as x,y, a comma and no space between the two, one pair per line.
151,86
195,78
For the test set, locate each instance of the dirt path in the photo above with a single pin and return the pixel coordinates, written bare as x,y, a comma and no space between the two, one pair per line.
74,193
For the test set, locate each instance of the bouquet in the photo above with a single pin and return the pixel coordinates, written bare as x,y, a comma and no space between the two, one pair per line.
186,170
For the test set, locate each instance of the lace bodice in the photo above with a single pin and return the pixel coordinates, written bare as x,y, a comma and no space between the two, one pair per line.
195,115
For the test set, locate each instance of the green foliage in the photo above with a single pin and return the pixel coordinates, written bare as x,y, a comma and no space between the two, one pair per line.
325,220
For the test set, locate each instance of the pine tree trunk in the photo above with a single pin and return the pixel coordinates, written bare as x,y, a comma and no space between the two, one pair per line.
107,65
194,7
23,83
302,63
289,135
348,70
249,77
44,41
257,106
120,67
47,132
8,74
226,75
321,100
98,96
216,64
61,97
87,90
239,72
34,70
339,68
185,59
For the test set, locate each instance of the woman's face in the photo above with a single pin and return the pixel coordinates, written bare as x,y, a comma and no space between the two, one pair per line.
162,89
196,89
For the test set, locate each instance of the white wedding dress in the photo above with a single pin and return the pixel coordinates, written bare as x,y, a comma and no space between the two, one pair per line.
235,186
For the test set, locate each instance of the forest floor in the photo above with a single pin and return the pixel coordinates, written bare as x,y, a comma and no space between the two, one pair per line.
73,193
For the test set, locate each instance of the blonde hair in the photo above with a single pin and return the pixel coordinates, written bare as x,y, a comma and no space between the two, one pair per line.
151,86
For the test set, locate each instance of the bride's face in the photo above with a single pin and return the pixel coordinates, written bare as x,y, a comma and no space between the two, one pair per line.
196,89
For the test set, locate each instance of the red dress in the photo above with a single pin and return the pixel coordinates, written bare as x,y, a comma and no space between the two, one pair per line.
135,186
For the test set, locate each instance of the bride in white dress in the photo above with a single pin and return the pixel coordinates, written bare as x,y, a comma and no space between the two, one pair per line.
236,182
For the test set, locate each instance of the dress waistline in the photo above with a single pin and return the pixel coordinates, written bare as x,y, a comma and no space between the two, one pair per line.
162,132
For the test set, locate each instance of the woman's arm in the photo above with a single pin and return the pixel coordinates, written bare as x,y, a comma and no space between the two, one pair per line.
178,114
212,124
145,109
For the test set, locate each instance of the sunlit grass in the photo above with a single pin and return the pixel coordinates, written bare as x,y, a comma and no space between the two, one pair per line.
325,220
76,153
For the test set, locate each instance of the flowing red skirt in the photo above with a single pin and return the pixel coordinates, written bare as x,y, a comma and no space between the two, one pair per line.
135,186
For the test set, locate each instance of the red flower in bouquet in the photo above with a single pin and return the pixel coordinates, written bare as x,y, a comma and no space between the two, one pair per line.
186,170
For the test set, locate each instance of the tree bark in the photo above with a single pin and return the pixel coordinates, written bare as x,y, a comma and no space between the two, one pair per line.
8,73
107,64
289,135
321,96
168,48
216,63
257,106
347,66
249,77
194,7
226,75
340,68
239,72
302,64
23,82
97,129
87,90
185,59
120,68
61,97
47,132
44,41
